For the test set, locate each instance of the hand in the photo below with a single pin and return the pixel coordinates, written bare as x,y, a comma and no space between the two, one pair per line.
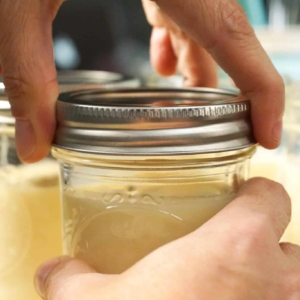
235,255
27,62
172,50
220,26
222,29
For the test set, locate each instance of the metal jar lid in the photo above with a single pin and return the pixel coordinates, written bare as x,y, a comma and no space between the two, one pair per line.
87,80
153,121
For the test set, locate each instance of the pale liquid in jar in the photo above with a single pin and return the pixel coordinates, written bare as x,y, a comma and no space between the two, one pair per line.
113,226
30,226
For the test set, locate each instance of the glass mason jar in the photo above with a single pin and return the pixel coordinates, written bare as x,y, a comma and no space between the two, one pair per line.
141,168
30,211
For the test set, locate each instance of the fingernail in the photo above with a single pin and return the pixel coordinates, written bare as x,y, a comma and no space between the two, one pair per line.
44,271
25,139
277,131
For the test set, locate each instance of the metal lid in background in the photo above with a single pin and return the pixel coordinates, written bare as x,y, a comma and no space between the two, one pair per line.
87,80
73,81
5,112
153,121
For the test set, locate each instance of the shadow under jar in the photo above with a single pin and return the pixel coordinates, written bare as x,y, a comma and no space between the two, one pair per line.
143,167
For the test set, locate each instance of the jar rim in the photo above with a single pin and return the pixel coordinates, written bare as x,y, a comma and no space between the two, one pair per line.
162,161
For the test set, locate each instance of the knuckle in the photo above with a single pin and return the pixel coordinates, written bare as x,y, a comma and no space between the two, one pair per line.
257,229
231,22
272,203
278,84
269,186
274,85
25,91
16,89
287,247
275,88
291,250
275,192
250,239
253,238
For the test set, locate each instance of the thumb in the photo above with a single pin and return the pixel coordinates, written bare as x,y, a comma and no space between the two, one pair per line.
292,251
29,74
65,278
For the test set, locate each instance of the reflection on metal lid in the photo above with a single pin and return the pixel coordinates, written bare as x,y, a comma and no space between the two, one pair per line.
153,121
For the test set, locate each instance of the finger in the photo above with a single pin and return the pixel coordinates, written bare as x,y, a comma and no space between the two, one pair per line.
64,278
261,208
154,15
29,72
194,63
291,251
222,28
161,52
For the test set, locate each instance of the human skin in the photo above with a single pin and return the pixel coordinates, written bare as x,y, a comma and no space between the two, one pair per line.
189,35
235,255
238,250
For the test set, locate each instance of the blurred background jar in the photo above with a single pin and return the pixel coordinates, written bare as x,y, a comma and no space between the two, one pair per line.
30,210
30,215
140,168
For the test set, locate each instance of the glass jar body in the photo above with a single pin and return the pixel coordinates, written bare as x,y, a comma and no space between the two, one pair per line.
118,209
